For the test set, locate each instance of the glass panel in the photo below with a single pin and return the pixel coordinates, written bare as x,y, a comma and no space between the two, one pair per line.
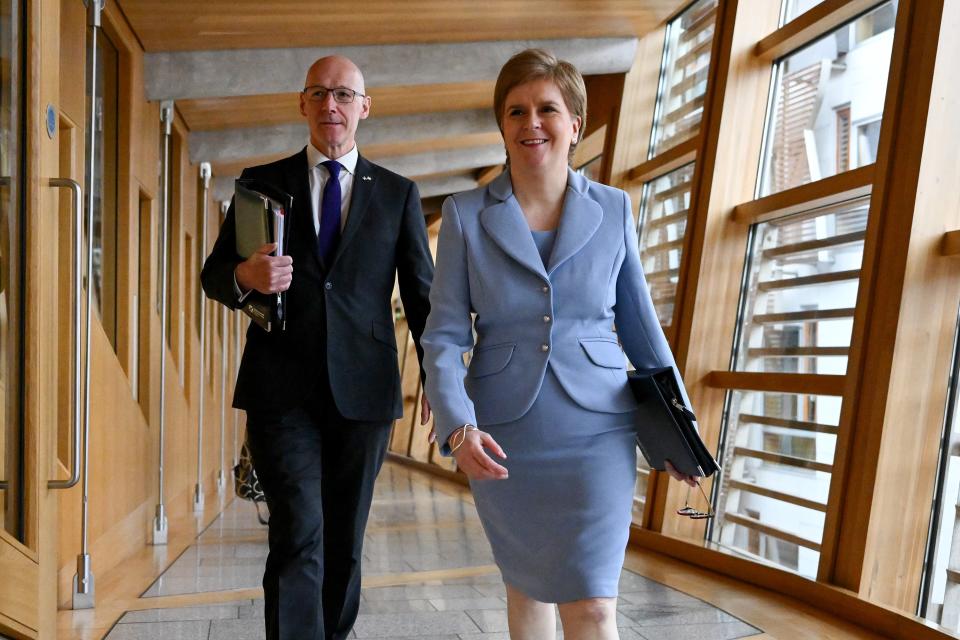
794,8
777,463
801,291
105,186
11,270
640,491
663,223
591,169
173,239
940,597
683,81
797,312
846,69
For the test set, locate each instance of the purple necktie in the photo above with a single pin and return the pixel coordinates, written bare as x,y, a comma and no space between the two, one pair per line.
329,233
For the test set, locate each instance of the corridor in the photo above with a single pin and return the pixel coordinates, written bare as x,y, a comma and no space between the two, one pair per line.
428,574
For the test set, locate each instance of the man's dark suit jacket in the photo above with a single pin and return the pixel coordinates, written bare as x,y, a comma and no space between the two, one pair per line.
339,315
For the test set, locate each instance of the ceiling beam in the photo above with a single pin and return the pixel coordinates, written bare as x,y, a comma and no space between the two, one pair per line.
434,168
179,75
236,145
445,185
438,162
278,108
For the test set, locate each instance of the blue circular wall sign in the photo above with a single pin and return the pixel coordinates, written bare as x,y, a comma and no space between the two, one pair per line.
51,120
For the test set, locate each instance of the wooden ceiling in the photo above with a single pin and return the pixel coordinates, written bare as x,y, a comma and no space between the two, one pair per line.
168,25
191,25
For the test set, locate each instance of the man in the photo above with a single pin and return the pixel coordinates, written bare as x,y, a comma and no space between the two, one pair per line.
321,395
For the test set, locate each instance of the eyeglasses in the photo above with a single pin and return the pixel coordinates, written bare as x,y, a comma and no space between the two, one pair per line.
695,514
343,95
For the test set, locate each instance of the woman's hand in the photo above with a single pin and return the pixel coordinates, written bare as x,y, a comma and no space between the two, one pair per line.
473,459
682,477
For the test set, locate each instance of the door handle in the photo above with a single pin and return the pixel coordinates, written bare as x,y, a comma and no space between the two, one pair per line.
67,183
4,182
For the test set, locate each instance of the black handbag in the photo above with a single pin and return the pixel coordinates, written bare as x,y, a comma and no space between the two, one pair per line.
245,482
667,429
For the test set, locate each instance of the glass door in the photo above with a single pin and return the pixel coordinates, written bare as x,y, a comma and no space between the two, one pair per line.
29,82
11,274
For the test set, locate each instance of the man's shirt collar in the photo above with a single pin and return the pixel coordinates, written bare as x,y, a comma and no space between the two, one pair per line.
347,160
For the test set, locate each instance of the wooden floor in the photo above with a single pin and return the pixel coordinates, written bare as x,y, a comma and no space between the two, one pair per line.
427,569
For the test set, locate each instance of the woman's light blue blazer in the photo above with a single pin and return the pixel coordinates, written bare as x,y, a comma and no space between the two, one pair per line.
529,318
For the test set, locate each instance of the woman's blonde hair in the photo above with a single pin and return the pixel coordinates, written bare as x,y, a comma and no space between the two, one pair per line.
537,64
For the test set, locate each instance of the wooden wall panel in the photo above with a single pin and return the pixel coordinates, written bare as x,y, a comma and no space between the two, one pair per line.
604,99
40,339
73,48
124,438
632,135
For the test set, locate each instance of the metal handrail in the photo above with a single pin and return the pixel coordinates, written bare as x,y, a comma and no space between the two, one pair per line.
83,581
80,400
160,517
205,173
222,474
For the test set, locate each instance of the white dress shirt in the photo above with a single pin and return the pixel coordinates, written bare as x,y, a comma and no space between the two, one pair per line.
319,175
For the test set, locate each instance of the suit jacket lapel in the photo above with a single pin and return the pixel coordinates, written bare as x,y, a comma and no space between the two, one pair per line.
504,222
364,181
580,219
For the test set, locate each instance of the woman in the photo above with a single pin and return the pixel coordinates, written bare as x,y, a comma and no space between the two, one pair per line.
548,262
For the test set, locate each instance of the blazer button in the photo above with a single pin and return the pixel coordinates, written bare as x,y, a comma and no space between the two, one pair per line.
546,318
545,289
544,348
328,286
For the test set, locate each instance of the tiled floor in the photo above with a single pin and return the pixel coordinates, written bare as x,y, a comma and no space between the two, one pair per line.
413,528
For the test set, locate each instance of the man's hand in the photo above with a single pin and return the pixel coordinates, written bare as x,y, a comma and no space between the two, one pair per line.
424,410
265,273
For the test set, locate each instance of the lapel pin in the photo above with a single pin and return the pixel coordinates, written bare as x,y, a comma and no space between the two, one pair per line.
365,177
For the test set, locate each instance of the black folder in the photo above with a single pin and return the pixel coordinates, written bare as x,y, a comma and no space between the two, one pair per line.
667,429
262,215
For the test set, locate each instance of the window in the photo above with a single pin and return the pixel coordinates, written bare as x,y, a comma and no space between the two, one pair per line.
174,248
803,276
148,228
843,138
665,200
940,593
105,212
874,24
666,189
868,139
663,223
683,81
794,8
12,84
813,86
591,169
796,317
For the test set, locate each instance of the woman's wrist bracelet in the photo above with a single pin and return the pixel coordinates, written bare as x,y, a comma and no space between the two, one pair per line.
458,437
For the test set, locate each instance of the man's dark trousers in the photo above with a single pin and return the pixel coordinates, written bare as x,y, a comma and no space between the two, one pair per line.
318,468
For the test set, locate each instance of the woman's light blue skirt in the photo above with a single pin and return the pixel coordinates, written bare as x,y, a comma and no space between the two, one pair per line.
559,524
